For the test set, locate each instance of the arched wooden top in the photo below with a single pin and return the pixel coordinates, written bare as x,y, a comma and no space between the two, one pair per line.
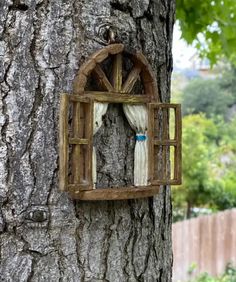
141,68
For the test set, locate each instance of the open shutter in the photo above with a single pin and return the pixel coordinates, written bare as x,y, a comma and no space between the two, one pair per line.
165,144
76,133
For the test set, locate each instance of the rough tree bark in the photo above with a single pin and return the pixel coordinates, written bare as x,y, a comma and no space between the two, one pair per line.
44,235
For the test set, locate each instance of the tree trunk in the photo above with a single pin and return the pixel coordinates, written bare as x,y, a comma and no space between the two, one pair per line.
46,236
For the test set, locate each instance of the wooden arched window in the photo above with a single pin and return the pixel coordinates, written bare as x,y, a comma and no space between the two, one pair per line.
157,126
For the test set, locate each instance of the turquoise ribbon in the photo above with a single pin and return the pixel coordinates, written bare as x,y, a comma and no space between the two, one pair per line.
141,137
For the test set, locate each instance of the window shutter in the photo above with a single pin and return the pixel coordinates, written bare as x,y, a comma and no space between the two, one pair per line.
76,133
164,144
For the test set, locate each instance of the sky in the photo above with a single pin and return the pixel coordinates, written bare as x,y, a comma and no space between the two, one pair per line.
181,51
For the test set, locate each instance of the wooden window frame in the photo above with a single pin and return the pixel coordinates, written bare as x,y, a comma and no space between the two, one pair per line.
166,141
80,184
86,191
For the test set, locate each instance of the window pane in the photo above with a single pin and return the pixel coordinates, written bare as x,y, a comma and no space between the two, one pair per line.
172,123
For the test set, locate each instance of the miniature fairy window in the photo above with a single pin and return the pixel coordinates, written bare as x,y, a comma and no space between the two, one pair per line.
157,155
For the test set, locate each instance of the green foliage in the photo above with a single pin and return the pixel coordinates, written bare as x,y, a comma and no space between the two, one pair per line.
207,96
228,82
228,276
209,162
198,185
227,164
210,26
209,146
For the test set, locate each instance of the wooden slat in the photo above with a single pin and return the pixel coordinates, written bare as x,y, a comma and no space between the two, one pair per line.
100,55
150,142
117,72
178,149
76,148
89,133
88,66
115,48
116,193
76,188
131,80
79,83
77,98
63,143
102,79
165,105
166,182
165,132
107,97
78,141
165,142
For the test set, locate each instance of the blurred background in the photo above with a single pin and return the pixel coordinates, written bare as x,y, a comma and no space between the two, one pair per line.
204,82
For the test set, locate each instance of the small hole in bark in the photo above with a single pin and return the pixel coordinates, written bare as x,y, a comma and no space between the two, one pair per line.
105,35
162,18
19,7
37,216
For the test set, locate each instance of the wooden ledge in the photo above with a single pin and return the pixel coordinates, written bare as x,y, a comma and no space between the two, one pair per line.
116,193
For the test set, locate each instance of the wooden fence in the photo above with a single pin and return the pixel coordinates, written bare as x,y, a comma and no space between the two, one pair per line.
207,241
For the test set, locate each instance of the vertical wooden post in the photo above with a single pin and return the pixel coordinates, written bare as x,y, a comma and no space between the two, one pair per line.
89,128
178,148
117,73
76,148
150,142
63,145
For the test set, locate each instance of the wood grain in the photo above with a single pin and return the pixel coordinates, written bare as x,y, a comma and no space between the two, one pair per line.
63,143
75,164
109,97
78,141
178,148
102,79
131,80
117,72
151,158
165,141
121,193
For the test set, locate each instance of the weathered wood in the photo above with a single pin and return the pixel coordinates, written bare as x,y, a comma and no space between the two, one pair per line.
76,188
78,141
178,148
166,181
75,165
100,55
141,59
159,142
165,142
165,151
150,87
107,97
89,133
209,241
114,49
117,72
79,83
102,79
131,80
150,142
77,98
87,67
63,145
121,193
